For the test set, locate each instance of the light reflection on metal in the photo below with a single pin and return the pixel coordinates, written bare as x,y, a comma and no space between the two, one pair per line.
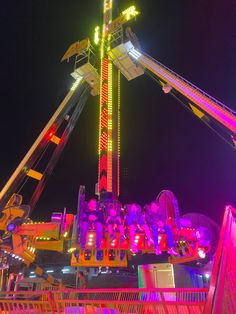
76,84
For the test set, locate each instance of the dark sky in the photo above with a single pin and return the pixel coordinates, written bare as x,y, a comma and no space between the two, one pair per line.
162,145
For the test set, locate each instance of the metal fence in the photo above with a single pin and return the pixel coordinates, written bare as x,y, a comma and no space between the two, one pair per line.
105,301
26,302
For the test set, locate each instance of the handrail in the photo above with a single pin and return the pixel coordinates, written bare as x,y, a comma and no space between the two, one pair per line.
113,301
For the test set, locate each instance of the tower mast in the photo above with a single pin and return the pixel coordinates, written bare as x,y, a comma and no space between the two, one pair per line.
109,118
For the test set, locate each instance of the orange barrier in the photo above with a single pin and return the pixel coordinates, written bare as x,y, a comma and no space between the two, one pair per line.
105,301
26,302
222,292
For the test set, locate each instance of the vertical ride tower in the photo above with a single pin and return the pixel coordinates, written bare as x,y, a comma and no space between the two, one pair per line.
109,118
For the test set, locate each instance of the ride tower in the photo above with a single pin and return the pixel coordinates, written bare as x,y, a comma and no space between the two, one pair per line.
109,118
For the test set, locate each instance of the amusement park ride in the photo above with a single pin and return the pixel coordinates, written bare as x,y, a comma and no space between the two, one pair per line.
120,53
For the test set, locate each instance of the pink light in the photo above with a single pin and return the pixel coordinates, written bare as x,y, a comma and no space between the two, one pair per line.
201,253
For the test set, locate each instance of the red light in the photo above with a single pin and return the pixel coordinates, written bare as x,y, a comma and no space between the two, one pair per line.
51,134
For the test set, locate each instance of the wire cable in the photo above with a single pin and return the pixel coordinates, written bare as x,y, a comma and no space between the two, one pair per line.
189,109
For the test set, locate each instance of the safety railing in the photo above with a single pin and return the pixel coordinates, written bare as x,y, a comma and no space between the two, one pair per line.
26,302
222,293
135,301
105,301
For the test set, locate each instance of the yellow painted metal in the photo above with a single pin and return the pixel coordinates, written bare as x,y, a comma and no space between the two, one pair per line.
29,154
50,279
76,49
34,174
49,245
15,200
9,214
197,112
55,139
38,271
44,230
22,249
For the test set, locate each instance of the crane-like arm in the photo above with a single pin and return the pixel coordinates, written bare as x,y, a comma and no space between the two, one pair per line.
133,62
203,101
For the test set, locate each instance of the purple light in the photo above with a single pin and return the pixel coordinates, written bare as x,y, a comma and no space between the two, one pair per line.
11,227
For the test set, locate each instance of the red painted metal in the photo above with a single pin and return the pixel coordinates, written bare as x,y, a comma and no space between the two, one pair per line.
221,298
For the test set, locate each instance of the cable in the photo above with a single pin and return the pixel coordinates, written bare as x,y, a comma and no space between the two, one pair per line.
190,84
189,109
34,165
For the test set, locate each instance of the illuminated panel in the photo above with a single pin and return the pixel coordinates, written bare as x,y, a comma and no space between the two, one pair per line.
109,148
118,138
105,122
103,132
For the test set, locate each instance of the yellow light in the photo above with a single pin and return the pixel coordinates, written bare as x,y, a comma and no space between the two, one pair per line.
76,83
65,234
72,249
130,12
109,124
97,35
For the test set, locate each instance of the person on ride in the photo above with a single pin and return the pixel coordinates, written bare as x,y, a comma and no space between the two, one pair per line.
114,221
132,222
92,218
155,220
135,221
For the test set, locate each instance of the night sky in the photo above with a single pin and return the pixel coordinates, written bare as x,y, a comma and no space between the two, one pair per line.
162,145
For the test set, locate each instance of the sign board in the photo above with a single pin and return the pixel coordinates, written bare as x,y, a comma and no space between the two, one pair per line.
76,48
126,16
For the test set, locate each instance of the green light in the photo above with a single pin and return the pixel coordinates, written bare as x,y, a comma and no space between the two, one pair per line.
97,35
